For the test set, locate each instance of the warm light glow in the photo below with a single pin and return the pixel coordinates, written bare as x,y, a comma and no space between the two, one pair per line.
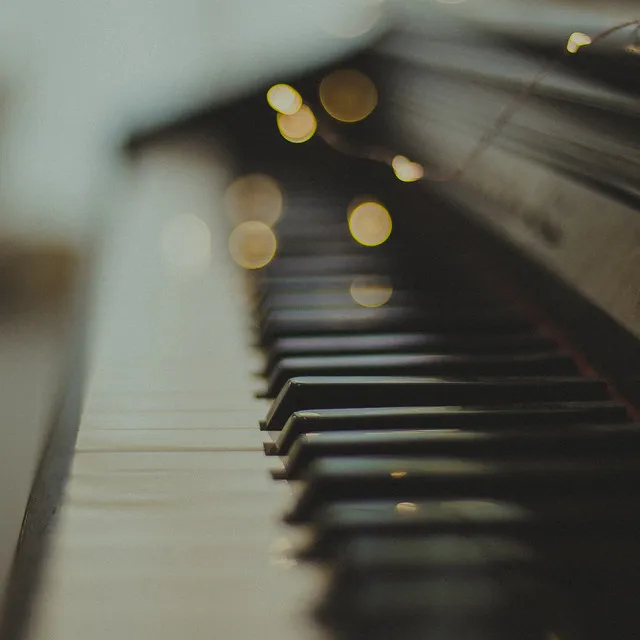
371,292
398,474
252,245
254,197
406,170
577,40
348,95
284,99
406,507
370,223
298,127
186,243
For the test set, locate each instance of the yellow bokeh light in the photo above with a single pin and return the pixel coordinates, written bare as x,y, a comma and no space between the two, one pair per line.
370,223
406,170
576,40
284,99
371,292
298,127
254,197
252,245
398,474
348,95
406,507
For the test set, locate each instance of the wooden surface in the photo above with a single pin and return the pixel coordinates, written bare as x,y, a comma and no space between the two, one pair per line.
170,523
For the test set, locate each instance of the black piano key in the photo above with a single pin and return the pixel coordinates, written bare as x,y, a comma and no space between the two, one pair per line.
268,285
336,523
529,442
328,299
306,322
375,555
339,392
372,558
540,415
345,299
295,246
367,262
359,344
348,479
489,605
525,364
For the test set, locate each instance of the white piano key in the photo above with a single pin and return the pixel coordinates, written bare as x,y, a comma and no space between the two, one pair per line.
170,524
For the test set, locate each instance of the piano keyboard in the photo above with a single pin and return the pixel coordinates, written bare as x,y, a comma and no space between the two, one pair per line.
443,466
475,481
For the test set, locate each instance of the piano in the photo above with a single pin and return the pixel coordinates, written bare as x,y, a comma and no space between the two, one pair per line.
350,378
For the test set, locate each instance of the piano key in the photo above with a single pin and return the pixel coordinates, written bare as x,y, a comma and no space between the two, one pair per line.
405,343
540,415
526,364
371,391
297,245
371,554
466,607
363,478
336,523
531,442
369,558
267,284
321,265
305,322
328,299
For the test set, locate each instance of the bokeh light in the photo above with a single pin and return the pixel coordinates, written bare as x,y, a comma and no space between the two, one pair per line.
252,245
406,170
298,127
254,197
576,40
348,95
369,223
406,507
284,99
371,291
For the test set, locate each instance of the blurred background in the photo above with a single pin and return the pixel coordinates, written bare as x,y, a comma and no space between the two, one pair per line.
77,77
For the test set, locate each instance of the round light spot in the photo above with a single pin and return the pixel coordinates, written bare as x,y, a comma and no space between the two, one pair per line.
371,292
186,243
348,95
298,127
284,99
370,224
252,245
254,197
405,170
